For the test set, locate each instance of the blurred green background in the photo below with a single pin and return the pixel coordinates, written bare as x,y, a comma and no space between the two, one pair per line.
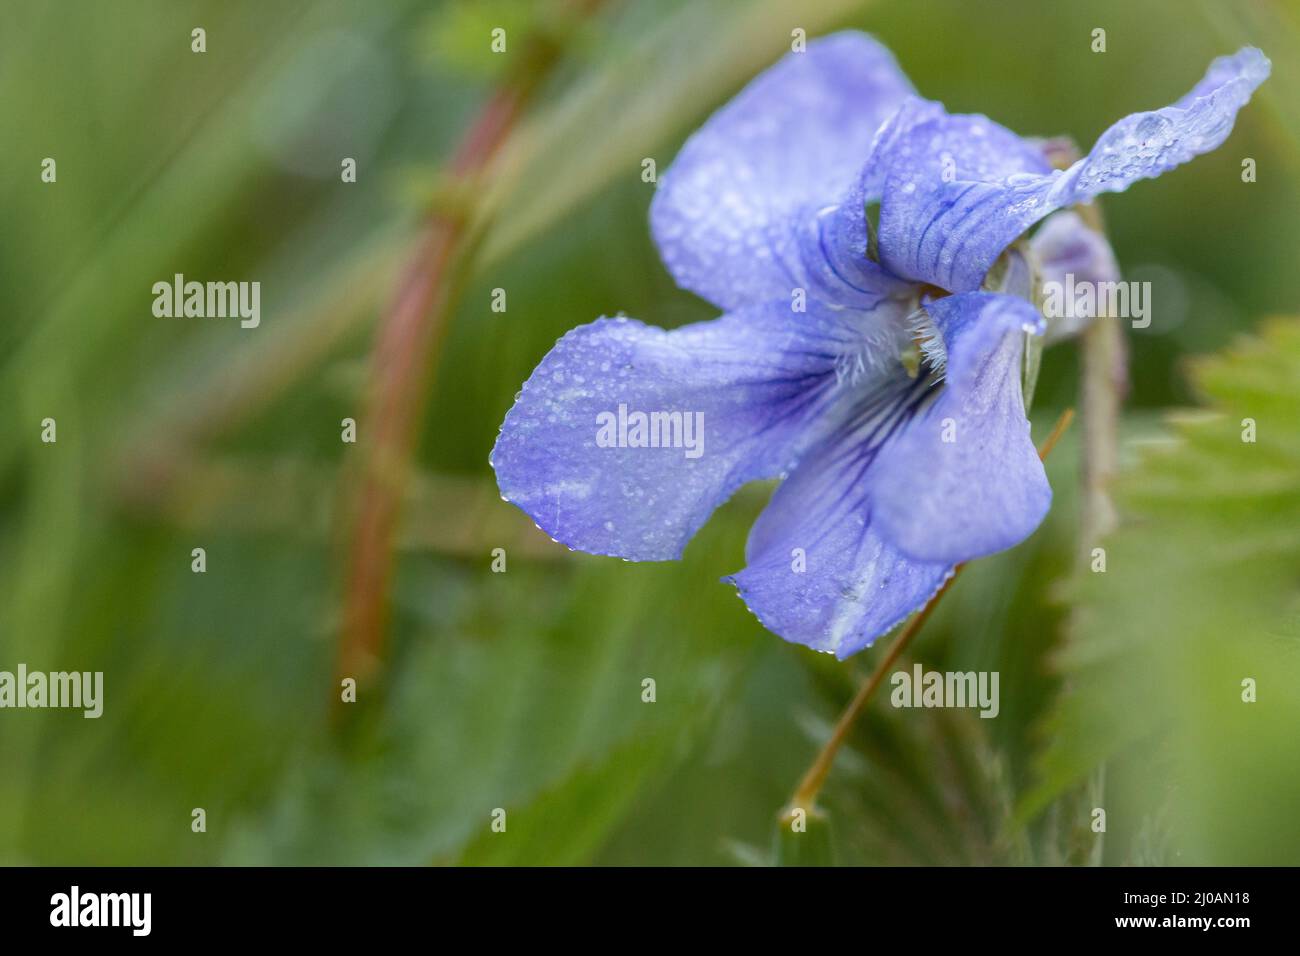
522,690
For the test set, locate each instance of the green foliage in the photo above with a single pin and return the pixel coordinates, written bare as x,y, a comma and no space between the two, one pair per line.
457,34
926,788
805,838
1201,593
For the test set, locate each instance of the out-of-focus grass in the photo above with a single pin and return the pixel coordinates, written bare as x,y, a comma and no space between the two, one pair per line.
519,690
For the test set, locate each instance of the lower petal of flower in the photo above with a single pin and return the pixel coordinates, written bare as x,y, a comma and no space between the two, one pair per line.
963,479
818,573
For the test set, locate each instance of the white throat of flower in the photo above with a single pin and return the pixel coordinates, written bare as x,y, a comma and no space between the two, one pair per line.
1017,273
925,346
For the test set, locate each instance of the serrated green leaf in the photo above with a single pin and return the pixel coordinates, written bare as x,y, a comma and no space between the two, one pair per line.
1200,594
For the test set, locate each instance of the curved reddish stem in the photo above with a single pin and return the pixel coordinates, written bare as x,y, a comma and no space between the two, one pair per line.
402,366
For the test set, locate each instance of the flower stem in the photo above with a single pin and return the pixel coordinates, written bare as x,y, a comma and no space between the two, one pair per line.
1103,384
1103,357
402,362
805,795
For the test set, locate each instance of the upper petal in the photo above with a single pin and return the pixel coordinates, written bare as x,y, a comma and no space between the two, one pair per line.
959,189
1144,145
733,398
729,212
943,177
964,479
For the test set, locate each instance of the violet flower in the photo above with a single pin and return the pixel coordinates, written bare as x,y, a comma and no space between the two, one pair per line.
877,370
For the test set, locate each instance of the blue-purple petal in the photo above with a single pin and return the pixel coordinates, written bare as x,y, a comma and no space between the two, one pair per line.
732,213
1066,249
964,479
757,377
943,178
817,571
1144,145
959,189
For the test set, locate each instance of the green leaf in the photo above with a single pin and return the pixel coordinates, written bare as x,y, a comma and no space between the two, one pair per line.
924,788
523,691
1200,597
566,825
